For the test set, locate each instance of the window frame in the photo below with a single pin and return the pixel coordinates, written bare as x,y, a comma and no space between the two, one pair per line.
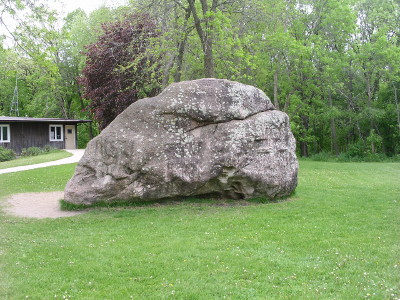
8,133
55,133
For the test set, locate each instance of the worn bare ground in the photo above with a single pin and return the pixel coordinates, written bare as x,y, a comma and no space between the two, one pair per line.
37,205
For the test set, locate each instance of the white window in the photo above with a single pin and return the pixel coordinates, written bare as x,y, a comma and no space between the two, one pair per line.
56,133
4,133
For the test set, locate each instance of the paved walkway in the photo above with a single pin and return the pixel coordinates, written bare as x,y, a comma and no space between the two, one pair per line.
77,155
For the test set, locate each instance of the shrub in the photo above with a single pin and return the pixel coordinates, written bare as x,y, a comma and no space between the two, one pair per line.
354,156
375,157
322,156
31,151
49,149
34,151
356,150
6,154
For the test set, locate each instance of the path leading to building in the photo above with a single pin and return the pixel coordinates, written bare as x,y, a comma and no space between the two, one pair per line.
40,205
76,156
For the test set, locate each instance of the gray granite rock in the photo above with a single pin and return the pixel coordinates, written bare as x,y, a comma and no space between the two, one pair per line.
201,137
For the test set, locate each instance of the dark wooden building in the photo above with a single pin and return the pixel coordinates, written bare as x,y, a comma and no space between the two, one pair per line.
18,133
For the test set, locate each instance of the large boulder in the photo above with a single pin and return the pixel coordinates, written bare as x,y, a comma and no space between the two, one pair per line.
206,137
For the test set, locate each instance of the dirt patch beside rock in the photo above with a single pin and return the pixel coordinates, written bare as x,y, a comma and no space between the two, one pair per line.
37,205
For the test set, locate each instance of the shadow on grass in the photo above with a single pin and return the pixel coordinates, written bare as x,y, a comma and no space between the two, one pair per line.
209,201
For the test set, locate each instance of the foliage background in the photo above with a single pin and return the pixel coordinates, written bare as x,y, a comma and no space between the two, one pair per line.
332,65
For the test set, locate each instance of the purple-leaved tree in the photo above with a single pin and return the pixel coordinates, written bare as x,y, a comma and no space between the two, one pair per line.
121,67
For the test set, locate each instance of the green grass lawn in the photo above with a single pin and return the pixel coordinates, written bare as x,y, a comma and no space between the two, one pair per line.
31,160
338,237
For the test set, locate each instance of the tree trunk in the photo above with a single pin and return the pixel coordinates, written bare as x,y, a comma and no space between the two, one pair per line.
83,107
370,95
209,68
304,149
167,70
205,36
351,105
397,107
287,104
334,143
181,47
276,102
179,60
303,144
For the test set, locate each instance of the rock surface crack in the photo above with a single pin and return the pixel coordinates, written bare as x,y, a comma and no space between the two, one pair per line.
225,122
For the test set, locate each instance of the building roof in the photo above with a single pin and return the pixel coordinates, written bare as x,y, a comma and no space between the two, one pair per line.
4,119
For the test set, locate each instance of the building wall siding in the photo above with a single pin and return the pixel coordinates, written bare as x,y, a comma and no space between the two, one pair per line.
25,135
